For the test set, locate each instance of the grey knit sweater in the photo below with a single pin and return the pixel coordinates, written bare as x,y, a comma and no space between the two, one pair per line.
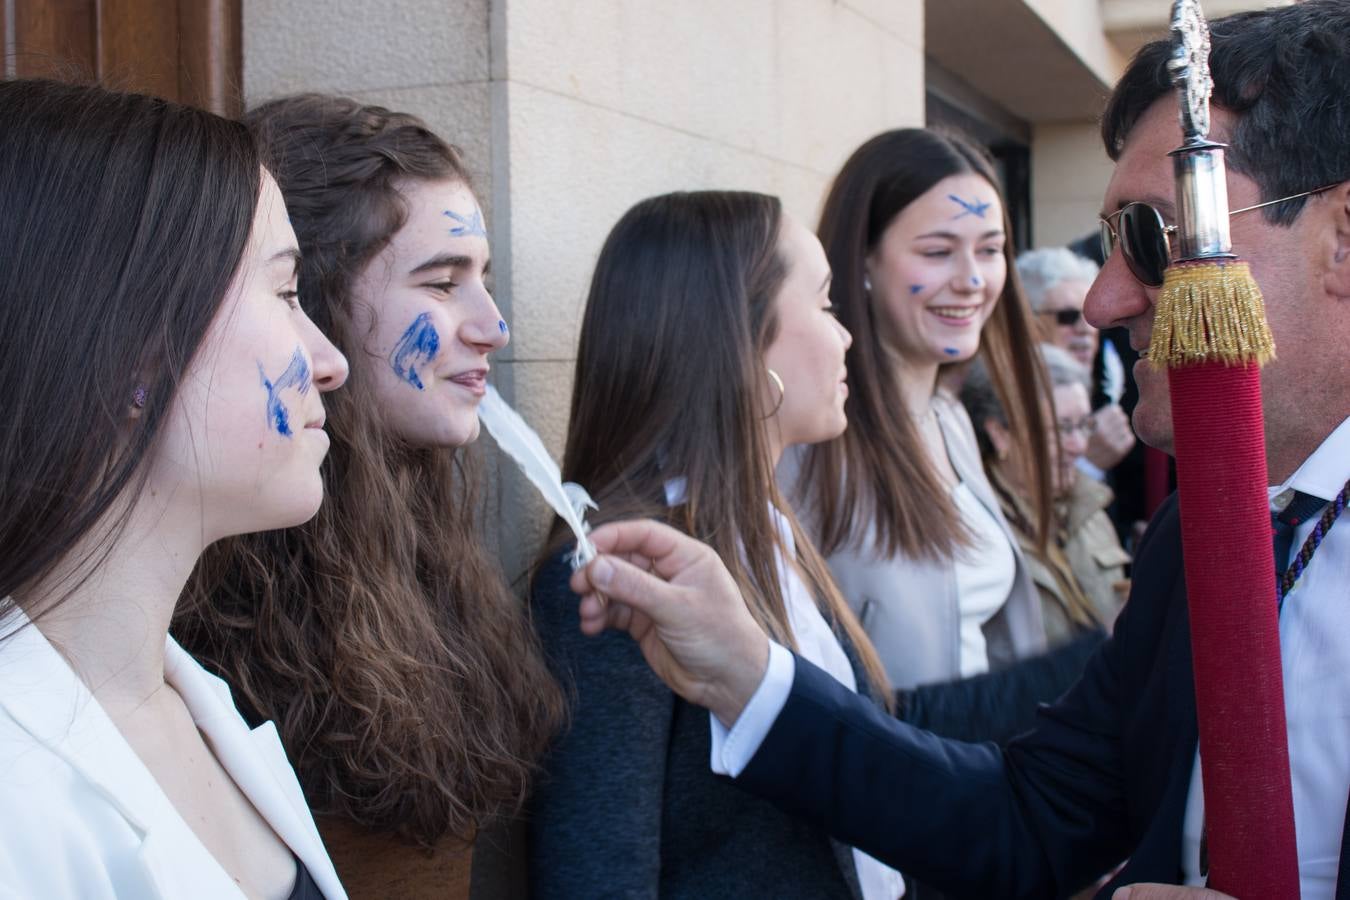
628,806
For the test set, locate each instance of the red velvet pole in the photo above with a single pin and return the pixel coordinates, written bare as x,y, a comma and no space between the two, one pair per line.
1235,638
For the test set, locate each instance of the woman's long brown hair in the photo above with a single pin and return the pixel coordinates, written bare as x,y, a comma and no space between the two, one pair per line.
403,675
669,385
123,219
878,474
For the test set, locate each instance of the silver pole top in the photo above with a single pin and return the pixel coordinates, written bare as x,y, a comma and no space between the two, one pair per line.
1189,67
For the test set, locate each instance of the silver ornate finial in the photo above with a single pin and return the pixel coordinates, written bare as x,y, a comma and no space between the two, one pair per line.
1189,67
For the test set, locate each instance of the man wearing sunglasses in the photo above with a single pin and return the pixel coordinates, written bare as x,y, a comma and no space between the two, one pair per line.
1110,772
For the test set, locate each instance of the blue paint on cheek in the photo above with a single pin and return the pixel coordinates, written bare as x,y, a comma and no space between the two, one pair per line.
950,351
501,326
296,376
915,289
419,344
974,282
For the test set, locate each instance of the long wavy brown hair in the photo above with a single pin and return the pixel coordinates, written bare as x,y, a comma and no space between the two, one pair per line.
878,473
669,384
381,637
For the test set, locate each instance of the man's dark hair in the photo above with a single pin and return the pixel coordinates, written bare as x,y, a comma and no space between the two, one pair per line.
1285,72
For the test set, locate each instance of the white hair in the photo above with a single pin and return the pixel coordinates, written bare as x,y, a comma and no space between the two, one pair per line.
981,399
1042,269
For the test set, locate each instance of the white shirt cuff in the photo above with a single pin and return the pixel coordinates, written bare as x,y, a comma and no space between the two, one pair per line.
1087,468
733,749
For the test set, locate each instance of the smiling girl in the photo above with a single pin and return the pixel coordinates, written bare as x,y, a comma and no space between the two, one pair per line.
382,638
917,236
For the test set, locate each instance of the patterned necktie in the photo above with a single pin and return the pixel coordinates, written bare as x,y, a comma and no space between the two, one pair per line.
1283,524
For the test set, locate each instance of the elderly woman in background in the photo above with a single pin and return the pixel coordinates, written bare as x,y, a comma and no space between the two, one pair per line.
1081,573
1056,282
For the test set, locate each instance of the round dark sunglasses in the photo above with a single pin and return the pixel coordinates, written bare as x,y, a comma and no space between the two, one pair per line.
1146,240
1065,317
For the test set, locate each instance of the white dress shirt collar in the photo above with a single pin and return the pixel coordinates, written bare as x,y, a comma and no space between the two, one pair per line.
1323,474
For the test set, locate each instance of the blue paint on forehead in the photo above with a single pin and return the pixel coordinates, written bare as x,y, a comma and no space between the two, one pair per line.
469,226
969,207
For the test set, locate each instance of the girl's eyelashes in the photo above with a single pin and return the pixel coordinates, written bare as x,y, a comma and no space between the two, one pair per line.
443,287
292,298
832,309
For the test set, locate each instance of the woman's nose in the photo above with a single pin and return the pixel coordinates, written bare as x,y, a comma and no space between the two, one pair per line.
485,329
329,366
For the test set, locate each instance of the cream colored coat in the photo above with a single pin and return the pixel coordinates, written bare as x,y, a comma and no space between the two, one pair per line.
81,817
909,608
1093,549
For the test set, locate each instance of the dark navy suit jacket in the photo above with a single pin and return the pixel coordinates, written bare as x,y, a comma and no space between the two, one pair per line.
1103,776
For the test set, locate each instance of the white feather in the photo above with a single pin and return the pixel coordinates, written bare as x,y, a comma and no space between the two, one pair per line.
519,441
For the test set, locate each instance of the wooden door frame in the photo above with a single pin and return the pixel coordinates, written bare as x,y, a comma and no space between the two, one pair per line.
196,57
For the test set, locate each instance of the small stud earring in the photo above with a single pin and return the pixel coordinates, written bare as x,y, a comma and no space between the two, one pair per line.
867,283
138,396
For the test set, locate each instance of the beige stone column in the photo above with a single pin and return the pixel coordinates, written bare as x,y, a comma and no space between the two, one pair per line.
1069,173
607,102
570,112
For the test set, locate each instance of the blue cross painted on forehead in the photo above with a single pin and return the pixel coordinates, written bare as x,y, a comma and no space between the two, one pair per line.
469,226
969,207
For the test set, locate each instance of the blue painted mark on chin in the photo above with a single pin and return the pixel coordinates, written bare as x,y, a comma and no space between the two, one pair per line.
295,376
951,351
419,344
915,289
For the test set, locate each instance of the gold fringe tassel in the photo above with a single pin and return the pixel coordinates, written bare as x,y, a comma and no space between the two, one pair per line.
1210,312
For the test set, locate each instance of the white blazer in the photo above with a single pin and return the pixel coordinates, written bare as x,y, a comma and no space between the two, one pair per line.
81,817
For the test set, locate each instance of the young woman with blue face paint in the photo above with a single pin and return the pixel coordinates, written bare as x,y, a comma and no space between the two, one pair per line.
163,392
406,683
916,232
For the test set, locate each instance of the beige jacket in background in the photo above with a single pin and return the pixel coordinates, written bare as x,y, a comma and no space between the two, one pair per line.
909,607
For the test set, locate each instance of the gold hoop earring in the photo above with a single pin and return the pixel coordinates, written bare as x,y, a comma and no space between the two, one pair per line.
782,392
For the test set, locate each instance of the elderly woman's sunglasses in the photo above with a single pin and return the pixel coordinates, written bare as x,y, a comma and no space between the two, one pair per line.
1146,240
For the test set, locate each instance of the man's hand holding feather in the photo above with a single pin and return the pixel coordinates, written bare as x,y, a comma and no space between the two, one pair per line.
679,602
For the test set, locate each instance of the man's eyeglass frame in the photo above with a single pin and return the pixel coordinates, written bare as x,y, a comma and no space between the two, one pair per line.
1148,270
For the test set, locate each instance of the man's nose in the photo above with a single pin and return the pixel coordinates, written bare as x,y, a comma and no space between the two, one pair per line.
1115,296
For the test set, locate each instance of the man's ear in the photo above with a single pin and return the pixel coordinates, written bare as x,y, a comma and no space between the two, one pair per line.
1338,261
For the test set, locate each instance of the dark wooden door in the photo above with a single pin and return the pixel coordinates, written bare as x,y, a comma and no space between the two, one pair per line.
184,50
